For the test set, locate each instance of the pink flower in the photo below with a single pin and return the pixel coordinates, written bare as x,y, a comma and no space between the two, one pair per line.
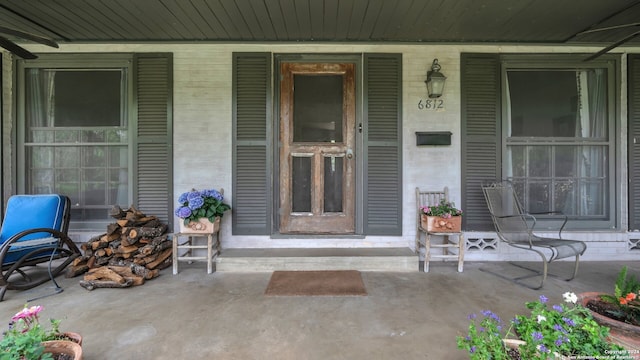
27,313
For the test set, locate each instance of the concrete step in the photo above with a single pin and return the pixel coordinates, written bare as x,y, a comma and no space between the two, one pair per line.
266,260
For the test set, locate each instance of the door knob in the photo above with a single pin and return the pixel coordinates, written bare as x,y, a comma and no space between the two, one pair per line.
349,153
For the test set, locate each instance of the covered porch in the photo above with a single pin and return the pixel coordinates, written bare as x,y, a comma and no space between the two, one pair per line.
192,315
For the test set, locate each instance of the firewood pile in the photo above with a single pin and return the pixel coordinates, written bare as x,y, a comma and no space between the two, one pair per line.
134,249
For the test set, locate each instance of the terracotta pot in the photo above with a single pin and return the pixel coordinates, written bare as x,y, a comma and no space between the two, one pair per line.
621,333
73,336
63,347
202,226
440,224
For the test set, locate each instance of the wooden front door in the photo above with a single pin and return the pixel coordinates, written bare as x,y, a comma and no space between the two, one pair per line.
317,154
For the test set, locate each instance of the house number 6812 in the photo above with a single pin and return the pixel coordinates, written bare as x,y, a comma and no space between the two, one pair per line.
429,104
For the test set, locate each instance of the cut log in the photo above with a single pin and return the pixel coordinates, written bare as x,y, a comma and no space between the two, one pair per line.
155,223
80,260
75,270
163,256
151,232
144,272
91,263
127,273
126,249
94,284
110,237
104,273
100,261
164,245
112,228
116,212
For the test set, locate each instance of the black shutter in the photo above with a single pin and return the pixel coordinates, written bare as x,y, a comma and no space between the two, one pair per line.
480,98
251,114
382,142
634,141
153,161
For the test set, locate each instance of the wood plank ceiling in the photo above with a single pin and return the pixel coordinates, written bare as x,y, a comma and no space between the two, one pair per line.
468,21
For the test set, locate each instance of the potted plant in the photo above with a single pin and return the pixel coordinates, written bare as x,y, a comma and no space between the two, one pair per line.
27,339
444,217
561,331
200,211
619,311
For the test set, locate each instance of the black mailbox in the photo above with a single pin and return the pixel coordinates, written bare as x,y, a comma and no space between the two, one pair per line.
433,138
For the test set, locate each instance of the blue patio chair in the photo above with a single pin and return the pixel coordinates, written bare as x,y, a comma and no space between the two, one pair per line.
34,231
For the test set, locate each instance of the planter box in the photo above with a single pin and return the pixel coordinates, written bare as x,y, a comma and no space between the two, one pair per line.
621,333
202,226
439,224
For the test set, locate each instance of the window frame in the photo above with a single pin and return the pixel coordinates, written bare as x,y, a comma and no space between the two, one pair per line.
80,62
544,62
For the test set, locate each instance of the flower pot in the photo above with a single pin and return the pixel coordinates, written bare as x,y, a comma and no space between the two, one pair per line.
621,333
513,343
63,347
73,336
516,343
202,226
440,224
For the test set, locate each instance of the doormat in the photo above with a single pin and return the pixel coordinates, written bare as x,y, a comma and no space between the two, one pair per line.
316,283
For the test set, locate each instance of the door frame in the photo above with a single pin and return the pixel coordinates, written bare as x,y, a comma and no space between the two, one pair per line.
355,59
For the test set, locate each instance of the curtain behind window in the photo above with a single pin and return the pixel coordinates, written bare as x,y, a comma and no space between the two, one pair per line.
592,123
39,97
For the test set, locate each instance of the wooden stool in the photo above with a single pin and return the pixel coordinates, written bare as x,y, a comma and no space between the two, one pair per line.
458,254
213,249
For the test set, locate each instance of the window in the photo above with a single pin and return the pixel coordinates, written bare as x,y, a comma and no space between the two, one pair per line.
558,138
76,137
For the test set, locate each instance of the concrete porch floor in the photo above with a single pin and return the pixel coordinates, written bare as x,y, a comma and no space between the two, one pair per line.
192,315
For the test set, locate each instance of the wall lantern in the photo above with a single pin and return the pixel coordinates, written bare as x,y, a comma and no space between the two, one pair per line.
435,80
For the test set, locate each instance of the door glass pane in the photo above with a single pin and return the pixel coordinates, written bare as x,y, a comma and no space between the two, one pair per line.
301,184
317,110
333,184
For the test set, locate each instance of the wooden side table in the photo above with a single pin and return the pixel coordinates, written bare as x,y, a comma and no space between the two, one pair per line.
213,248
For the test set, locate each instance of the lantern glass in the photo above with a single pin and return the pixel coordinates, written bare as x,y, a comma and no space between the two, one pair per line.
435,80
435,86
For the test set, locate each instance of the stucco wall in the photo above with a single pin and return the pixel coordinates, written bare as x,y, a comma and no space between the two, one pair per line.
203,130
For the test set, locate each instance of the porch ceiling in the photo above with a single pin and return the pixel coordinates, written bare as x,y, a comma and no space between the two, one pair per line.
468,21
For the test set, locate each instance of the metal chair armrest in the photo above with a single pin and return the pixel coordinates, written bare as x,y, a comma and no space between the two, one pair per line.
564,222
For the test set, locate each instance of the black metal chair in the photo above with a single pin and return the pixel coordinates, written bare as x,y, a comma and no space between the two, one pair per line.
34,231
516,228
